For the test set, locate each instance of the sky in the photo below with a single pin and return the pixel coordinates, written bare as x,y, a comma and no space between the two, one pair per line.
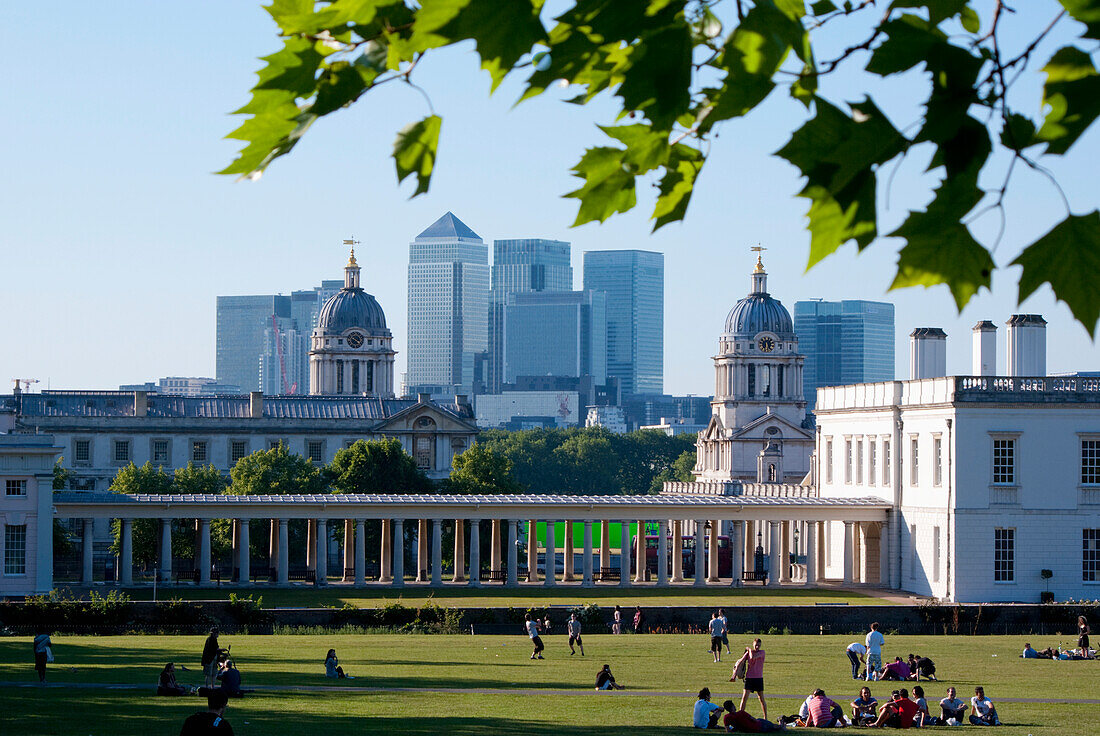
117,236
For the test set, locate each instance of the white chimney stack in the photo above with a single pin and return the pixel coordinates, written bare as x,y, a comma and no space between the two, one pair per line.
984,354
927,353
1027,345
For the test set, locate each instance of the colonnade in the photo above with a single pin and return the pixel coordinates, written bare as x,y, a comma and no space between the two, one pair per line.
782,544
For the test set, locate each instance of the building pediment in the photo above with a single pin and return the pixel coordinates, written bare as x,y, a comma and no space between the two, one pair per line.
715,430
426,417
757,429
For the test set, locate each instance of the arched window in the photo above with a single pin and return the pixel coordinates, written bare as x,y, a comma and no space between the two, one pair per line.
771,472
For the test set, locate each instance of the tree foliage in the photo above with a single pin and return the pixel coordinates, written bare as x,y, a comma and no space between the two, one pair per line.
277,471
482,469
680,71
376,466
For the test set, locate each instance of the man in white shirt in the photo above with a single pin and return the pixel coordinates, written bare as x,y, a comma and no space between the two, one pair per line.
532,627
952,709
983,713
706,713
856,652
574,628
874,642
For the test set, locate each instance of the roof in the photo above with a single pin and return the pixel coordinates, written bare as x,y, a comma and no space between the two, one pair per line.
928,332
758,313
351,307
448,226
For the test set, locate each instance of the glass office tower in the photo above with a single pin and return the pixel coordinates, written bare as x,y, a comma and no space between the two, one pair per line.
555,334
850,341
448,308
634,281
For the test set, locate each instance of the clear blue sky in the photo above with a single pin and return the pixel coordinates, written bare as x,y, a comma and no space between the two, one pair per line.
117,237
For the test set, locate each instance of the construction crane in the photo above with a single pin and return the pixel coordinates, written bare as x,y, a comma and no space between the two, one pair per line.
287,389
26,383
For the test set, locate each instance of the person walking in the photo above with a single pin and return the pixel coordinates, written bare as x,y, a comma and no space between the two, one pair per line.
856,653
42,654
874,643
717,630
210,722
725,630
1083,632
754,675
638,619
574,628
617,627
210,651
533,632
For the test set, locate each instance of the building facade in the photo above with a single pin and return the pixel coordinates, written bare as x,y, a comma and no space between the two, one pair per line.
634,281
555,334
26,514
849,341
448,308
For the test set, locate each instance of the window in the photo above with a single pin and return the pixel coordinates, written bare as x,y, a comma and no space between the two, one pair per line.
829,460
779,381
1004,462
848,461
1090,555
160,452
339,376
886,461
1090,462
15,487
914,461
237,450
859,461
370,373
355,376
771,472
198,451
937,461
935,554
752,380
316,450
1004,555
82,451
872,461
122,451
15,549
274,444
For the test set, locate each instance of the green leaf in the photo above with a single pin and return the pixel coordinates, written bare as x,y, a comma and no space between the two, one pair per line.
1018,132
938,10
821,7
1072,97
608,185
646,149
971,23
1067,258
415,149
657,75
837,154
297,17
1087,12
910,41
682,168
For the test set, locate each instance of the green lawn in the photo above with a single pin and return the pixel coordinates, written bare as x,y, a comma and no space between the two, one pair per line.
672,667
528,595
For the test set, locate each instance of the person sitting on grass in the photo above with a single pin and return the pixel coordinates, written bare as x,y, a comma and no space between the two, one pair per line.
333,668
921,667
230,678
982,710
606,681
167,684
952,709
738,721
923,717
898,712
211,721
705,713
824,713
896,670
864,707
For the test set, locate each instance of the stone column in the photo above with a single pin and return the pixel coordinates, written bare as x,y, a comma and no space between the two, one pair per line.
273,544
586,561
700,556
460,552
87,550
737,548
784,549
532,553
244,555
849,544
884,554
712,551
360,553
494,549
437,553
605,545
166,551
385,561
821,537
567,554
422,551
677,551
475,553
860,541
125,552
662,554
512,553
398,553
349,551
775,555
282,568
322,553
640,561
811,553
311,544
624,555
204,551
550,559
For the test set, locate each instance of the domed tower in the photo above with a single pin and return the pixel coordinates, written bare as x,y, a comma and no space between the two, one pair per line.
758,400
351,349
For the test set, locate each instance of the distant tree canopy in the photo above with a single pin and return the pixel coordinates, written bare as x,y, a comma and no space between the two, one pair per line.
482,469
277,471
376,466
677,72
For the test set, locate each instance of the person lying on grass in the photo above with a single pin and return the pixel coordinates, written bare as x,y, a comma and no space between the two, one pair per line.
738,721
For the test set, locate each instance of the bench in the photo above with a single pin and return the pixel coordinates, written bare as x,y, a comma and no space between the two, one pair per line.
755,576
496,576
190,575
299,576
608,574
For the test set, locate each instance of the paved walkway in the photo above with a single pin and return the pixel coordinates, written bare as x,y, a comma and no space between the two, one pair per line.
464,691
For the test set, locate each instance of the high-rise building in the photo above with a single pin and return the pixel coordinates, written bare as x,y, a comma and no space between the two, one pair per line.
560,333
634,281
448,308
519,266
850,341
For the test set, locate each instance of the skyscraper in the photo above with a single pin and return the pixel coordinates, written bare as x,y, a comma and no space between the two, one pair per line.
448,307
850,341
525,265
555,334
634,281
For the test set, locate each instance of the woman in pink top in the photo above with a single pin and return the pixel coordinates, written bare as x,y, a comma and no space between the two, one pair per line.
754,675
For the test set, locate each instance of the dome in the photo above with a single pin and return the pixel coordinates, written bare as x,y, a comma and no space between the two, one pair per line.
348,308
758,313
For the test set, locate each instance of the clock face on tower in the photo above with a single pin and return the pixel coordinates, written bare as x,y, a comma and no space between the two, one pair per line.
766,344
355,340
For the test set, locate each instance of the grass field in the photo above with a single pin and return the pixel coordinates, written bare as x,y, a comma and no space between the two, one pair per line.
527,595
488,685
